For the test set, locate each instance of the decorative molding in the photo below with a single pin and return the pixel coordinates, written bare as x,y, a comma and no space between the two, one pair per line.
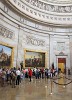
50,7
34,41
5,9
59,1
54,14
61,46
43,28
61,53
5,32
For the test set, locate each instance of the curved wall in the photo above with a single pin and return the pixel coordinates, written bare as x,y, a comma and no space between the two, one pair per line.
23,33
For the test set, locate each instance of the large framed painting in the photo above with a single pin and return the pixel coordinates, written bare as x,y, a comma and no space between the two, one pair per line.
34,58
6,55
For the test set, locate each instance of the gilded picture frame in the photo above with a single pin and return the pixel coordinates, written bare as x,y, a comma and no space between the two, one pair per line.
35,58
6,55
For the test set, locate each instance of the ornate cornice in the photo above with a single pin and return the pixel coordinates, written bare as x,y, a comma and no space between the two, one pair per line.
47,13
58,1
34,26
50,7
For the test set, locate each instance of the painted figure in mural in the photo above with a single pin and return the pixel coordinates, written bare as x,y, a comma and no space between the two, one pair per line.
5,56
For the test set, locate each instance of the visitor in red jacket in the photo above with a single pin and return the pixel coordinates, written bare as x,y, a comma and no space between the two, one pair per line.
30,74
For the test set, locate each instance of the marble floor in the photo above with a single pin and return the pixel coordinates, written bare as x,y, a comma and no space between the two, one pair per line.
37,89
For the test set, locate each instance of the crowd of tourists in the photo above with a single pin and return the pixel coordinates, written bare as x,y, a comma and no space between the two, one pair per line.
14,76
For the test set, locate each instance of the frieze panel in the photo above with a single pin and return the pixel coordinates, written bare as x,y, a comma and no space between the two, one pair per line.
35,41
50,7
6,33
59,1
46,16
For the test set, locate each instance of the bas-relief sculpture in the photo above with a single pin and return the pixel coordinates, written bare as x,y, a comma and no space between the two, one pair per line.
49,7
51,29
58,0
6,32
24,6
34,41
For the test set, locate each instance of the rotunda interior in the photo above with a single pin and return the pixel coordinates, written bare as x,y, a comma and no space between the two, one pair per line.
38,26
36,33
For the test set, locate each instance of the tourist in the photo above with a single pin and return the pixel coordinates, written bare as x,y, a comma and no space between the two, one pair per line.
30,74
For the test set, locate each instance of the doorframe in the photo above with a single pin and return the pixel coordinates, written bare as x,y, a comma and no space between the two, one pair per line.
61,56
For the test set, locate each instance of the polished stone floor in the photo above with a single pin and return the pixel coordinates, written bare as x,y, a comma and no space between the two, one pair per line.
38,89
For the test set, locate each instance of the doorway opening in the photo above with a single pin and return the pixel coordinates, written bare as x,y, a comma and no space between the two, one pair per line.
62,65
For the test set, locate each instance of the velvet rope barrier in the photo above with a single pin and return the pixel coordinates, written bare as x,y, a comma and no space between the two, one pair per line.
68,78
64,83
57,78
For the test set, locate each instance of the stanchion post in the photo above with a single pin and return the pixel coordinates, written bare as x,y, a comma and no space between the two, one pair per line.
51,86
64,81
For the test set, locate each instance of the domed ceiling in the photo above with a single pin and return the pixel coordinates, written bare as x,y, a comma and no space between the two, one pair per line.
55,12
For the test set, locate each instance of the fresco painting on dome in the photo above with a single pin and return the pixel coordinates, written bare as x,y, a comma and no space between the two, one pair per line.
5,56
34,59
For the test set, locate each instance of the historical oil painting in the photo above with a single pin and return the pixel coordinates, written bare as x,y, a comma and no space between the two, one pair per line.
5,56
34,59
